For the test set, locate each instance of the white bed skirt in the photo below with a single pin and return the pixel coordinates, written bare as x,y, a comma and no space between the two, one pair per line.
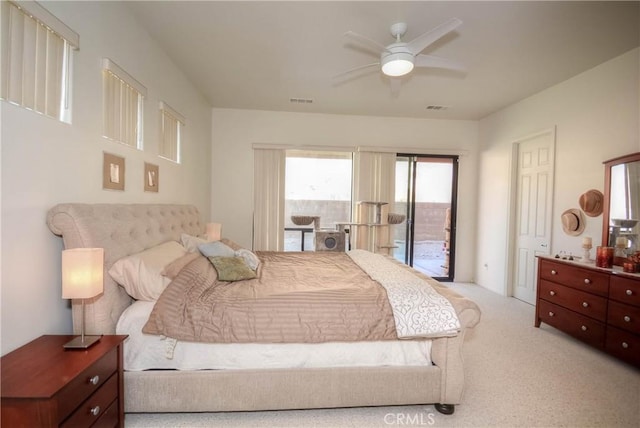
145,352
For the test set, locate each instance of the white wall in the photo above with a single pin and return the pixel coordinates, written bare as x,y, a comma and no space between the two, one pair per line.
234,132
597,117
45,162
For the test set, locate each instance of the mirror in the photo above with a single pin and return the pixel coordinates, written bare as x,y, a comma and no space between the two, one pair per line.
621,214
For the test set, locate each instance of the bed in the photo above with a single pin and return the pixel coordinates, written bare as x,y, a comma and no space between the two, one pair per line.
127,229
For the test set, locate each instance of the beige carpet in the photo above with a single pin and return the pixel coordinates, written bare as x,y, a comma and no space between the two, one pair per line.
516,376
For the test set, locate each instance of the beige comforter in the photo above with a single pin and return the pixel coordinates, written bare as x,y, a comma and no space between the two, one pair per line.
330,299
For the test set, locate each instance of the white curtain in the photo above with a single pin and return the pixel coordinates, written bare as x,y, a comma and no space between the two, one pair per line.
33,62
374,178
268,199
171,123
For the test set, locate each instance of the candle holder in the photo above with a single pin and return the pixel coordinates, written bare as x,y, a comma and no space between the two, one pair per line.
586,254
604,257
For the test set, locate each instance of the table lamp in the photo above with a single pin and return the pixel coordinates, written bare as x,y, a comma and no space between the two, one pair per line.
213,231
82,276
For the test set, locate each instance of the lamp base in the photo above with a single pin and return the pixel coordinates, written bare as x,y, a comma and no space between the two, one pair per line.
79,343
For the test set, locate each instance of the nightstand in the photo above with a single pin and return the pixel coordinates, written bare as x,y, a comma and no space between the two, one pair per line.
44,385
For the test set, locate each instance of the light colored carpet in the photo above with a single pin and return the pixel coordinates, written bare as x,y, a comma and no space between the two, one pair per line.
516,376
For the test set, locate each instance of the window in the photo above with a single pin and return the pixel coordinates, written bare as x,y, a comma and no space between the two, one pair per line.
123,97
36,59
171,123
316,184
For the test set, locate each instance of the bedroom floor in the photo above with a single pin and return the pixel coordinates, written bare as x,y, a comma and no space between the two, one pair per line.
516,376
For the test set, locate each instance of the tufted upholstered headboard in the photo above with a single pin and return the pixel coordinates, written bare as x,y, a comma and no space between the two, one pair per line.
122,230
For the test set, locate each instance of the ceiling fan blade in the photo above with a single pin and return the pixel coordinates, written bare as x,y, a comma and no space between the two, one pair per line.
396,82
431,61
420,43
378,47
352,70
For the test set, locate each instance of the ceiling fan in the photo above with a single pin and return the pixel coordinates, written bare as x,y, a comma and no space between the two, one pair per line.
399,58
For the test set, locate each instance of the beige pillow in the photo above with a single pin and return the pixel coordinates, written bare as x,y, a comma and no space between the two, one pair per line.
172,270
233,245
140,274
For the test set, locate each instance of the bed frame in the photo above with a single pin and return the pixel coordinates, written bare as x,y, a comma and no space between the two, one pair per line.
124,229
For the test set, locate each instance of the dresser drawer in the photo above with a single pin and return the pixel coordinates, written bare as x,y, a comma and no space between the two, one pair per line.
626,317
625,290
94,408
585,303
92,378
579,326
575,277
623,345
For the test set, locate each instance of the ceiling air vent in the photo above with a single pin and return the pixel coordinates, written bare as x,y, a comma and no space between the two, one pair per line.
300,100
436,107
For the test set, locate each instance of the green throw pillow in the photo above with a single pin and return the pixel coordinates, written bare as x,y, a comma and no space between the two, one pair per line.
231,268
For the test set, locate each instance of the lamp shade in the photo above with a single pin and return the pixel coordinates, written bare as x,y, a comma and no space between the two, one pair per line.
213,231
82,273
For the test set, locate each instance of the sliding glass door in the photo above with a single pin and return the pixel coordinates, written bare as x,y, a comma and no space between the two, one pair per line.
426,189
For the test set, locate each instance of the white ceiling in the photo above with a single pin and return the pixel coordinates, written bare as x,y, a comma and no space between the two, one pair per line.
259,55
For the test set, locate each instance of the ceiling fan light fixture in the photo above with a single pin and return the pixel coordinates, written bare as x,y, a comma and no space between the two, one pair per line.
397,64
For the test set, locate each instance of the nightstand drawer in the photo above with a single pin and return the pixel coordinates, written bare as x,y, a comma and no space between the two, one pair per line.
76,391
585,303
95,407
579,326
583,279
626,317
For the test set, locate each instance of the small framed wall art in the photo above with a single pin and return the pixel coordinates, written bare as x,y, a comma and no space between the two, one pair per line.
112,172
151,177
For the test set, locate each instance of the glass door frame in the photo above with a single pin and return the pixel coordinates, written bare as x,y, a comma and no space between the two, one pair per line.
413,159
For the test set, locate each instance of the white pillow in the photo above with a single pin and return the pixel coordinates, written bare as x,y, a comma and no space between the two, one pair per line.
250,259
140,274
191,242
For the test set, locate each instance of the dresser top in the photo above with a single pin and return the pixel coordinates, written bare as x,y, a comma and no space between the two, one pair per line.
591,264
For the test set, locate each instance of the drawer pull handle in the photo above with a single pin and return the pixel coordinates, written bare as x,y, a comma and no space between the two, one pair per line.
583,328
627,318
551,314
629,292
553,272
553,293
94,380
625,345
585,305
587,281
95,411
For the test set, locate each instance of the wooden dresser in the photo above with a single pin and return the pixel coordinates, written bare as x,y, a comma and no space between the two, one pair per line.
44,385
600,307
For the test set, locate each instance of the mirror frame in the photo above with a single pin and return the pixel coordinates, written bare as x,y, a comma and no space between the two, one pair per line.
634,157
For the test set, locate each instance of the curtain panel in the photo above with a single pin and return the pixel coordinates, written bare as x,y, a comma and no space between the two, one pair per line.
374,177
268,199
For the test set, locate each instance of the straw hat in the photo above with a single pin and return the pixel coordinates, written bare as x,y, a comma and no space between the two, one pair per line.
573,222
591,202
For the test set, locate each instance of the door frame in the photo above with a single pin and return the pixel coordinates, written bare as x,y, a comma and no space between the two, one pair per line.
411,194
512,220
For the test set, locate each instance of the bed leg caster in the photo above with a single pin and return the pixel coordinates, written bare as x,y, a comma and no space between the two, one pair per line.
445,409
